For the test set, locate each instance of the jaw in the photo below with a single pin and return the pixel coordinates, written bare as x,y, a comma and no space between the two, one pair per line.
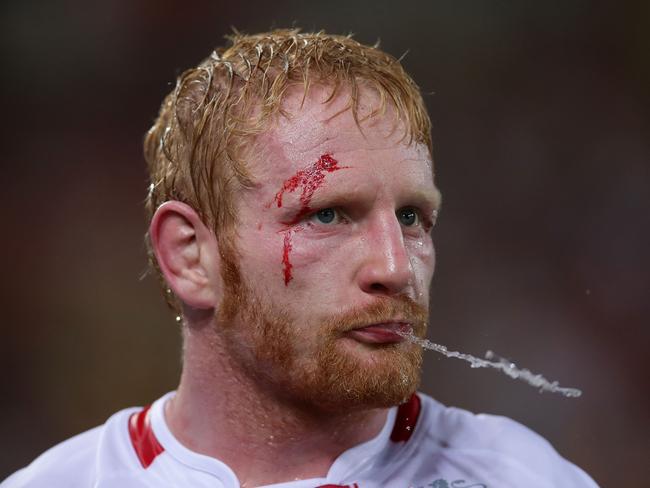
346,375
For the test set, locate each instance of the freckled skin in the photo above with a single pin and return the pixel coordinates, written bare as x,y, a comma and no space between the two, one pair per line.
330,268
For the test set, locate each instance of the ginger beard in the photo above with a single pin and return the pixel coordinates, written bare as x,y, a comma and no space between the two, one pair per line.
316,367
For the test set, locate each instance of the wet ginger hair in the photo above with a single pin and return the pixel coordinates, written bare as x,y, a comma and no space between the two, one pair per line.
195,151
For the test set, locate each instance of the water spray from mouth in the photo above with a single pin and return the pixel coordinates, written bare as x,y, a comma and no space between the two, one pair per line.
501,364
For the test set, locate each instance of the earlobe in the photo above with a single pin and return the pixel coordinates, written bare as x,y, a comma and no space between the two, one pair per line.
187,254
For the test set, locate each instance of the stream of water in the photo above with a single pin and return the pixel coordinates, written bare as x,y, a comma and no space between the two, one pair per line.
501,364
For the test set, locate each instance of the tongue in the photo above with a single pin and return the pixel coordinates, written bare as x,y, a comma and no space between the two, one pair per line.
379,333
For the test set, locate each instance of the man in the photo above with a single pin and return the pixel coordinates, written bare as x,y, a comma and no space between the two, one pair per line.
291,203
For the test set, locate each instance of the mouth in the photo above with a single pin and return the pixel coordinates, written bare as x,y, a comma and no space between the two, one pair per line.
381,333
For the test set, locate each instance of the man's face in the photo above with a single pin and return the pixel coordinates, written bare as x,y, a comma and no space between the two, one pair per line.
335,257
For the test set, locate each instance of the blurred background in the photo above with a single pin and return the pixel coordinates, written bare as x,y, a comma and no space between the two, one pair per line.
541,115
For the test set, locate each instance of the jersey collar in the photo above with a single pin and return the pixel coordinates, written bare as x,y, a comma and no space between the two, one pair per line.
397,430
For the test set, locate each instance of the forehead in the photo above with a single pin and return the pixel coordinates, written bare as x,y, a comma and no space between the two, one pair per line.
318,124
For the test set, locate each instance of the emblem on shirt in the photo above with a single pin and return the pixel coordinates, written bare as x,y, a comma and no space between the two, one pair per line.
440,483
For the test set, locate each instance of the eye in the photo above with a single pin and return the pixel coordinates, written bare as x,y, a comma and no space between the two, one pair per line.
325,216
408,216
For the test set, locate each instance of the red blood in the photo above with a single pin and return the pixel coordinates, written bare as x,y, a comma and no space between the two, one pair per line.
308,180
285,258
288,247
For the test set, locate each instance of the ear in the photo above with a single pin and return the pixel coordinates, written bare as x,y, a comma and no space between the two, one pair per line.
187,254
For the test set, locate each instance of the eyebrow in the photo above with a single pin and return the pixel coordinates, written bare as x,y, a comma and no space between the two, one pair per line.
432,199
309,179
334,197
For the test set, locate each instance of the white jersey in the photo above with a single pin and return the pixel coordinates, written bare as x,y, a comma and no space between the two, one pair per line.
422,444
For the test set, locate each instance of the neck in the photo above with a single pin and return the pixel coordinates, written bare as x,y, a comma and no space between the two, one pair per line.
221,412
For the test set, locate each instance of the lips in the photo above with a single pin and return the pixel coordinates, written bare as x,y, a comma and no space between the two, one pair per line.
382,333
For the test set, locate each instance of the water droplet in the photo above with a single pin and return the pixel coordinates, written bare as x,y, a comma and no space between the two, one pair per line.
505,366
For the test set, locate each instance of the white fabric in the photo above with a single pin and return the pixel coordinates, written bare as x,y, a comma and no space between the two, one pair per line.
449,448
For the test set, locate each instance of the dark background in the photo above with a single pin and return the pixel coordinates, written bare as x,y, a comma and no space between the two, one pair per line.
541,124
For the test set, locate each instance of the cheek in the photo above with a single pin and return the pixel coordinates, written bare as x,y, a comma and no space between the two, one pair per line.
260,257
423,258
311,259
285,259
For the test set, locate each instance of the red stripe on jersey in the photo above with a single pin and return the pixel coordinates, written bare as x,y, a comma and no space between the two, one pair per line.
143,439
407,417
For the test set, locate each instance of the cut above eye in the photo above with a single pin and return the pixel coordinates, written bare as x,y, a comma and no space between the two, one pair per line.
408,216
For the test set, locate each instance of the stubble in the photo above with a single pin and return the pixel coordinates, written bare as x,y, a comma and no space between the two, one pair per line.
319,367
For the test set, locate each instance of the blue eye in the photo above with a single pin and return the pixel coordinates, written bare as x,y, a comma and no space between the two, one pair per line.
407,216
326,215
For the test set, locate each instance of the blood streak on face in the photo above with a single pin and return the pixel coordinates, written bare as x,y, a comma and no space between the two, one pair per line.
285,257
308,180
286,250
288,246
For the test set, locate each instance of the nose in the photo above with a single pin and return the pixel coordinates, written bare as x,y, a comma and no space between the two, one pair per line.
386,266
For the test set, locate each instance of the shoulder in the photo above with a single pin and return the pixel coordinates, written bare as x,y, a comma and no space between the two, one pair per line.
69,463
74,462
500,439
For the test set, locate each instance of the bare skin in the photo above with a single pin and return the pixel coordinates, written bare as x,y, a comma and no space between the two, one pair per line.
364,253
262,441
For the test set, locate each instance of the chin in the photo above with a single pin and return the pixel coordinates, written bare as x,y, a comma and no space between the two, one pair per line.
343,380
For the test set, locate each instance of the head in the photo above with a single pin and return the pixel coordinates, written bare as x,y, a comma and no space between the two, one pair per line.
291,202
